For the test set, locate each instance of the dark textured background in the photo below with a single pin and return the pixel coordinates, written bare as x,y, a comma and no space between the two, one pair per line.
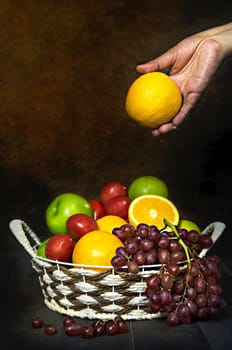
65,70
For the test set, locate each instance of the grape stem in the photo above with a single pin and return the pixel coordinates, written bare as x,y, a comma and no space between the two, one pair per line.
174,229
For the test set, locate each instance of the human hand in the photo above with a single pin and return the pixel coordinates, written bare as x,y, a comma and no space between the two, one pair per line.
192,63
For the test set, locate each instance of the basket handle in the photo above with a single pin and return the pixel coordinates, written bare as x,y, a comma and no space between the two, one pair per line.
215,230
19,229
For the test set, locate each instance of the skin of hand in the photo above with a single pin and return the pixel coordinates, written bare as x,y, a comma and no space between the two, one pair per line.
192,63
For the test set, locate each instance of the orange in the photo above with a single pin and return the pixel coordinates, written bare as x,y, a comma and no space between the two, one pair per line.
153,99
152,210
109,222
96,248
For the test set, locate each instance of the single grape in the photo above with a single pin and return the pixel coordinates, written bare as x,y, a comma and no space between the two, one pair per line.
194,270
37,322
128,230
72,329
165,297
68,320
118,261
192,306
206,241
131,246
122,325
214,288
50,329
177,256
184,314
133,267
87,331
174,246
193,236
201,300
173,268
151,257
173,319
153,281
99,328
191,293
199,284
121,251
155,299
140,257
166,281
111,327
118,231
163,242
143,230
154,234
163,255
146,244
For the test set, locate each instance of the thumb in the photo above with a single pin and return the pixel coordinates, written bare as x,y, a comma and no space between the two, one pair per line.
161,62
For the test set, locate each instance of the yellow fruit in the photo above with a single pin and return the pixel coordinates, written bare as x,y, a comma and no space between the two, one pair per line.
109,222
96,248
189,225
152,210
153,99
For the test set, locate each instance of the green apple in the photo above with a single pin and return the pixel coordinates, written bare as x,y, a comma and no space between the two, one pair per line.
41,248
62,207
189,225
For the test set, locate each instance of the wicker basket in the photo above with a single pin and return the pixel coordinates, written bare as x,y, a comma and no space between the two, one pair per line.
78,291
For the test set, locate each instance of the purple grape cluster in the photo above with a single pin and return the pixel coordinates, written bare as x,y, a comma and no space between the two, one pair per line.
147,245
186,286
193,292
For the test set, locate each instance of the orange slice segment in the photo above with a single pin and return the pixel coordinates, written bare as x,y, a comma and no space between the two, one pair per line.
152,210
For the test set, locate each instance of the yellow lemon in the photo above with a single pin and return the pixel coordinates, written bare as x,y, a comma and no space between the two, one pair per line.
109,222
153,99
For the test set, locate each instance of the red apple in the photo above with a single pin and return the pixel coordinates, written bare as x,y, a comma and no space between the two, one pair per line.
98,208
118,206
79,224
112,189
60,247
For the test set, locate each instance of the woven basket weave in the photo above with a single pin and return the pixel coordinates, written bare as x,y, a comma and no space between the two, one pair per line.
78,291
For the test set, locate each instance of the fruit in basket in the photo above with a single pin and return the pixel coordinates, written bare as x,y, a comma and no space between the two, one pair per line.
112,189
109,222
42,247
189,225
152,210
118,206
98,208
147,185
96,248
153,99
79,224
60,248
63,206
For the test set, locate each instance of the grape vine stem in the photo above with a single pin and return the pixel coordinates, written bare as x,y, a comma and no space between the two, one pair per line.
174,229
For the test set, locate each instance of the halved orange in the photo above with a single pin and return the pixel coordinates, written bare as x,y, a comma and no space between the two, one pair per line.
152,210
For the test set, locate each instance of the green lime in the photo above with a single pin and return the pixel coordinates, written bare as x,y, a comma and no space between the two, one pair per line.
147,185
42,247
189,225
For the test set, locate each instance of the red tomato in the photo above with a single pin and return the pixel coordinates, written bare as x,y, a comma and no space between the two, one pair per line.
59,247
118,206
112,189
79,224
98,208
